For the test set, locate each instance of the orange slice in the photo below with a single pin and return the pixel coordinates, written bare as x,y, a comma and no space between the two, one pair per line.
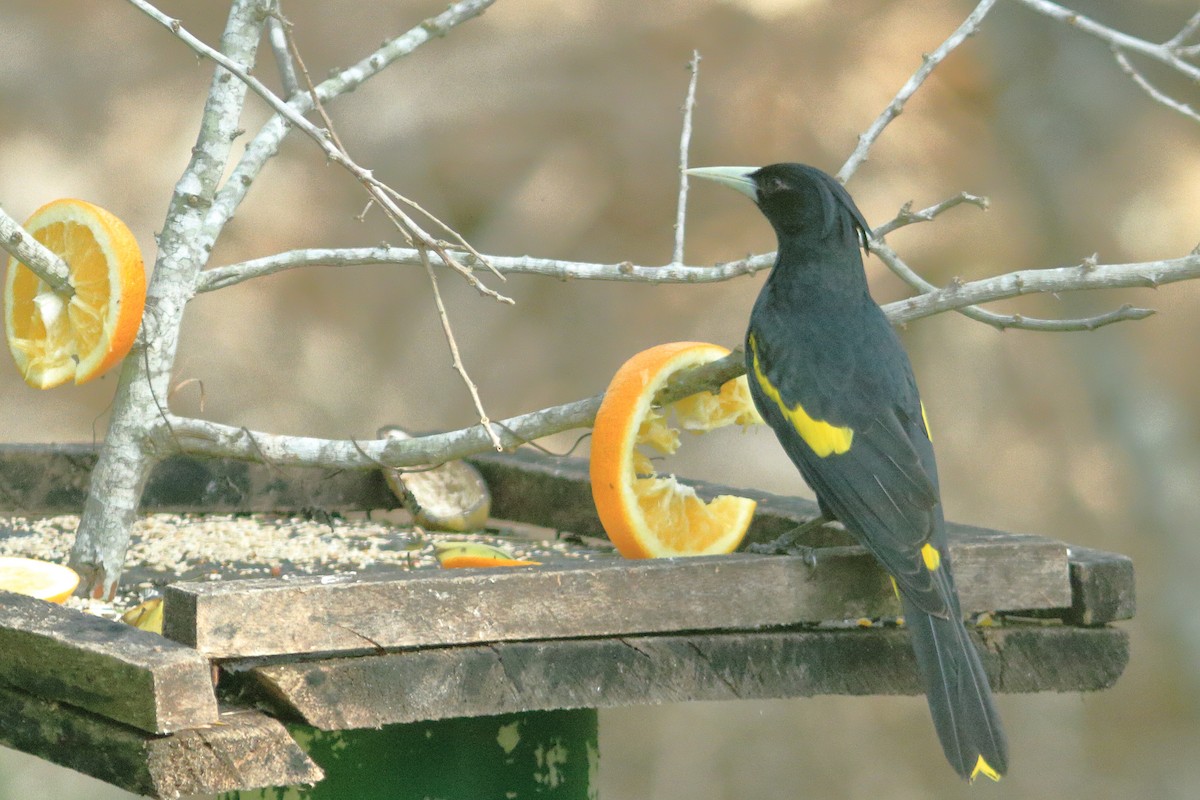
457,555
55,339
646,515
39,579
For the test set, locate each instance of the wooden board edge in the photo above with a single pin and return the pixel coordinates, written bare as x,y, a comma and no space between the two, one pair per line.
594,598
1103,587
114,670
342,693
245,749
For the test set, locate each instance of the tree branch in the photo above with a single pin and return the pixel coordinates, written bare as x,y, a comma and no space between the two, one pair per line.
232,274
212,439
685,138
1165,53
135,432
1087,275
33,254
907,216
928,62
327,141
1155,93
1006,321
267,141
278,38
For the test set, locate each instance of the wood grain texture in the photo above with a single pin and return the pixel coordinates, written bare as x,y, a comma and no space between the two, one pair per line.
245,749
476,680
605,597
114,670
1102,587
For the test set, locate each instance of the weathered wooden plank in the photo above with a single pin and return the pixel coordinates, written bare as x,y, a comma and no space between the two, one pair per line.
115,670
245,749
607,597
1102,587
53,479
526,486
467,681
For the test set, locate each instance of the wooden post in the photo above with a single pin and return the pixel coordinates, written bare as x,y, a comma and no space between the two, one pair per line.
547,754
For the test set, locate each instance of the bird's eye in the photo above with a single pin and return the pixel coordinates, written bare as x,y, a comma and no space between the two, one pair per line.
773,184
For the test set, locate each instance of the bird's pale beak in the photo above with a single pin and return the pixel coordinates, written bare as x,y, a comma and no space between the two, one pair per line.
738,178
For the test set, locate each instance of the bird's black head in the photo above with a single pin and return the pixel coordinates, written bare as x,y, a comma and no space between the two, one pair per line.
798,200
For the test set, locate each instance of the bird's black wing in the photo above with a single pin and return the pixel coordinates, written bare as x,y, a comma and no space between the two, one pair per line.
851,436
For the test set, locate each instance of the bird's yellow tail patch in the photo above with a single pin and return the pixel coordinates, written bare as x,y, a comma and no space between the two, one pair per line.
932,558
823,438
983,768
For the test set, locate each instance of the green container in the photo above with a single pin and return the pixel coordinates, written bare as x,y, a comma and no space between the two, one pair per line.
550,755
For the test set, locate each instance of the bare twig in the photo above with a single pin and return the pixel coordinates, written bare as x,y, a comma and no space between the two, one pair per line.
685,138
205,438
325,139
459,367
1087,275
1150,89
277,35
907,216
1180,39
265,144
380,192
1006,321
232,274
32,253
1165,53
928,62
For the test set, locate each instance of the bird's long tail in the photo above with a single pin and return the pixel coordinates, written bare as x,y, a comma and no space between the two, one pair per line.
960,698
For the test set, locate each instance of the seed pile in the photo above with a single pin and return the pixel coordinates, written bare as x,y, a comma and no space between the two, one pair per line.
165,548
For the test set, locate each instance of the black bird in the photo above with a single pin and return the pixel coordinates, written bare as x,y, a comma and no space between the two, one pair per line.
830,376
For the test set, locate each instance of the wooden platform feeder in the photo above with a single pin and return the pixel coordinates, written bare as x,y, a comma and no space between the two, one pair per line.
474,683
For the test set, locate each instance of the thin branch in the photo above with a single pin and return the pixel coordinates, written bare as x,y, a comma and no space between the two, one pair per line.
968,28
1151,89
206,438
685,139
456,358
267,141
213,439
1084,276
325,139
1180,39
1164,53
1006,321
278,38
382,194
907,216
232,274
33,254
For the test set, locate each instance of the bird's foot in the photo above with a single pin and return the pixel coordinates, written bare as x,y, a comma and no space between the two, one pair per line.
789,544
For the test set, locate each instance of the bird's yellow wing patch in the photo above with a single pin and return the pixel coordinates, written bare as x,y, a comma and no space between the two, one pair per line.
823,438
932,558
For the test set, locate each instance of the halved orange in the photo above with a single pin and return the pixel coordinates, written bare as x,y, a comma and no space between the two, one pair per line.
40,579
55,339
646,515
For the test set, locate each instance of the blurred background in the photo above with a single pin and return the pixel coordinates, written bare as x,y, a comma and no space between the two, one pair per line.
551,129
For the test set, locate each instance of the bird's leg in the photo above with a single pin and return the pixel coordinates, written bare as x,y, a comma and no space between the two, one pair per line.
788,543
